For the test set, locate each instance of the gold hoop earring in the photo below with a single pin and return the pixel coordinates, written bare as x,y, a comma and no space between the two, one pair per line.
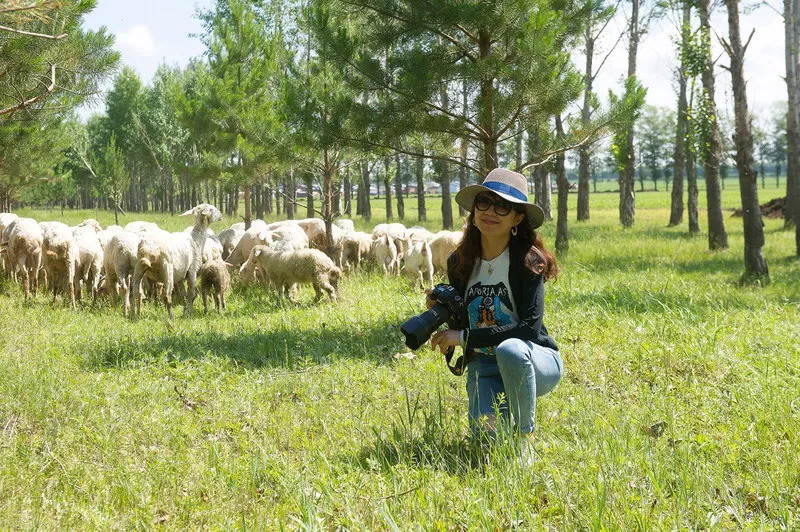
514,231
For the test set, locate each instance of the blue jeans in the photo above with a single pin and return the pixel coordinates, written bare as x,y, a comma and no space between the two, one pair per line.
510,381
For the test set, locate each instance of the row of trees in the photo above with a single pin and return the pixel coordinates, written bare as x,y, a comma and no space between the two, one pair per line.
354,93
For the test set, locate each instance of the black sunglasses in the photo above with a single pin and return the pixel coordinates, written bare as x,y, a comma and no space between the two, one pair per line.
501,206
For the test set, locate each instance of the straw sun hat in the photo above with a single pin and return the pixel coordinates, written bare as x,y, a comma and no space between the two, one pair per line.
511,186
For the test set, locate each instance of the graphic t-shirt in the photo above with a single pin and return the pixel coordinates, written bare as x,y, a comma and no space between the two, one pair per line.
488,296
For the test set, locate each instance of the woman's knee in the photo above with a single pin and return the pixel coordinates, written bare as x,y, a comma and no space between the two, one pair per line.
513,351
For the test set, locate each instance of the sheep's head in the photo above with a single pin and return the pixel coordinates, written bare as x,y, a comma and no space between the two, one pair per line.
91,222
250,269
205,212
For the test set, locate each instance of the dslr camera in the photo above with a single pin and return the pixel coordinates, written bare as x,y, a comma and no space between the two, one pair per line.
419,329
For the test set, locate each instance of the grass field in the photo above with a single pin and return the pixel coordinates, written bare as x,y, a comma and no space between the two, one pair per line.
679,407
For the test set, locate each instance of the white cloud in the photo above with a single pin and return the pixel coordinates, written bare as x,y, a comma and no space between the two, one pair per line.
137,39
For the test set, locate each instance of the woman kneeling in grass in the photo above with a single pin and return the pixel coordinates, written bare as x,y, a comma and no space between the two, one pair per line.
499,269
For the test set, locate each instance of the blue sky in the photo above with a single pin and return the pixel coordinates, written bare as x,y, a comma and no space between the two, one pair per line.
149,32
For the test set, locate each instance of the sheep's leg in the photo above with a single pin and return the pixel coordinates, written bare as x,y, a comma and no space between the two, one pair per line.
191,279
25,276
223,305
137,290
317,290
71,285
169,284
331,291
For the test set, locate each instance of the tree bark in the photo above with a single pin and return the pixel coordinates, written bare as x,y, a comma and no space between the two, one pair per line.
562,236
486,106
348,193
584,173
463,143
422,214
366,208
679,155
627,195
691,182
387,181
791,13
754,263
309,182
398,188
717,236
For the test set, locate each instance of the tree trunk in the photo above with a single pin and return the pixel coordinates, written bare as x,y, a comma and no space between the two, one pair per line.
691,182
791,13
366,207
348,193
586,113
717,236
562,236
463,143
627,196
248,218
327,201
309,181
398,188
754,263
421,213
290,189
486,106
387,182
447,204
679,156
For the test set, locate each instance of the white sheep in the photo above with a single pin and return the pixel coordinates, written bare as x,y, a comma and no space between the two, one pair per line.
139,226
419,261
104,235
318,236
119,263
24,250
60,255
397,232
418,234
90,260
284,269
356,246
174,258
229,238
345,225
443,244
385,253
255,236
6,220
212,248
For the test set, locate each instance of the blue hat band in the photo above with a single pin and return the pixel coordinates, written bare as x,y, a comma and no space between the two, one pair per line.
505,189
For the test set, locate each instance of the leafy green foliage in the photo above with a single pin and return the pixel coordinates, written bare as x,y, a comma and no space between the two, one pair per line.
632,101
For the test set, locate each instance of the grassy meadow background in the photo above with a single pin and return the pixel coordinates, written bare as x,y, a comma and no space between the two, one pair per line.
679,408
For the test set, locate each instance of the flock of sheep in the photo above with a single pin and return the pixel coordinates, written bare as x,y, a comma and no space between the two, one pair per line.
142,259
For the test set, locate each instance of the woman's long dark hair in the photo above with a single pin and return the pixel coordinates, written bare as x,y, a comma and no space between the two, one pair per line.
527,243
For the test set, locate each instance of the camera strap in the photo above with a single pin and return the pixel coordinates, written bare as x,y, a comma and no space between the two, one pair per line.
460,365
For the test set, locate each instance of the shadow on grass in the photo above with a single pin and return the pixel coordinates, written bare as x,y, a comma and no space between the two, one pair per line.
284,347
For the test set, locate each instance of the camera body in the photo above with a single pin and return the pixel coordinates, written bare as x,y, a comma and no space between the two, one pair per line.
418,329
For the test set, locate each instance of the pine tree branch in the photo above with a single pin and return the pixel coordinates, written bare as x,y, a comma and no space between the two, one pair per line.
33,34
405,151
25,103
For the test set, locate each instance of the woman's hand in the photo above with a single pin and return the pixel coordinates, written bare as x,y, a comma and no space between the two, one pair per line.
445,339
429,302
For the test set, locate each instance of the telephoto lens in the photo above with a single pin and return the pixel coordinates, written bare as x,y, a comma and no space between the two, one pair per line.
419,329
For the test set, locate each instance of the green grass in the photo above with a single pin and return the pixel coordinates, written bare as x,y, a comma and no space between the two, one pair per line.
678,409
